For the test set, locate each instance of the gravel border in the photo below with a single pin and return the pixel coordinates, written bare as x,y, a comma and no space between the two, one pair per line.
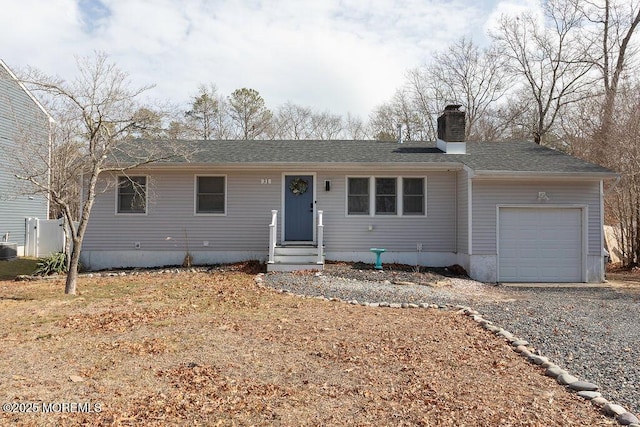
591,332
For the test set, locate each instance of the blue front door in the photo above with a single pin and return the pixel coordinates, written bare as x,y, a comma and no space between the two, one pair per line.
298,208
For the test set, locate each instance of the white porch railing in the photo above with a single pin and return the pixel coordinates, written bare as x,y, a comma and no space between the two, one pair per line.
273,236
320,237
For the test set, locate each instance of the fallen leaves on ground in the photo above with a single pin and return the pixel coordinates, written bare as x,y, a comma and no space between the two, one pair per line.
215,349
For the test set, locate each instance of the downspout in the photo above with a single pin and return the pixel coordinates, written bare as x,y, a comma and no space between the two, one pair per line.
456,220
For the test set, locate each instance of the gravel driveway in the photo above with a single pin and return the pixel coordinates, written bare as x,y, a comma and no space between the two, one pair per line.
594,333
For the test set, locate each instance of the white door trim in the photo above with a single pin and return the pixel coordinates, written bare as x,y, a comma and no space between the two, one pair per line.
584,231
283,186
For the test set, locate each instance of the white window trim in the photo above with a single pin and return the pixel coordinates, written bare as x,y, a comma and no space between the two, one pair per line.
346,197
146,196
424,197
195,195
375,194
372,197
400,196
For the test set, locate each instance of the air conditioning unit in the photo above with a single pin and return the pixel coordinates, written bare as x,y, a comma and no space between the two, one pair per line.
8,250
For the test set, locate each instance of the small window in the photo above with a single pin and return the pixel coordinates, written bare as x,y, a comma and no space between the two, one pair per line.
210,195
386,196
413,196
358,196
132,194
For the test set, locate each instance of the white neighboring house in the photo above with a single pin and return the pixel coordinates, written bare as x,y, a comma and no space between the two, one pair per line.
23,120
506,212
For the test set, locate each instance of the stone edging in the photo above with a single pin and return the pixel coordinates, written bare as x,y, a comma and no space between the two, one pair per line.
120,273
584,389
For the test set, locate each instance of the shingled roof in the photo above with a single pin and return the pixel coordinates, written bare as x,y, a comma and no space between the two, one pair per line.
482,157
525,157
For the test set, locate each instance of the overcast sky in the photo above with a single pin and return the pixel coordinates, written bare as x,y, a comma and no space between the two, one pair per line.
345,56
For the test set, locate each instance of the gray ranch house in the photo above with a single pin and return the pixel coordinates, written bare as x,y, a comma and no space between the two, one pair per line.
24,125
506,212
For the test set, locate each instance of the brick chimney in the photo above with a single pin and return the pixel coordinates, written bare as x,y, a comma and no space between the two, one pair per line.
451,126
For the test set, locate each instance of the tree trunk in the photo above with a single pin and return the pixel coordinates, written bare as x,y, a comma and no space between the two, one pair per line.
68,239
636,243
72,273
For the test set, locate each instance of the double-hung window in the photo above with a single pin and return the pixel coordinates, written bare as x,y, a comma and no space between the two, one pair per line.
358,196
132,194
210,195
413,196
386,196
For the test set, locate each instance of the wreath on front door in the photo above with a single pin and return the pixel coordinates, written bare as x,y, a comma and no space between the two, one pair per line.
298,186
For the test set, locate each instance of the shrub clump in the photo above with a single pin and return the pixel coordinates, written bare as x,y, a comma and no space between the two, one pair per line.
53,264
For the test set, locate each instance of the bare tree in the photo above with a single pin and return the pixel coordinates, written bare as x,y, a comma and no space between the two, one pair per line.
293,121
149,124
65,170
614,24
99,108
550,57
249,113
623,202
407,115
209,114
354,127
401,111
203,111
383,123
473,77
505,121
325,125
178,129
426,100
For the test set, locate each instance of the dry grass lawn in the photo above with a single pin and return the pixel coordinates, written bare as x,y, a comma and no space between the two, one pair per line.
10,269
215,349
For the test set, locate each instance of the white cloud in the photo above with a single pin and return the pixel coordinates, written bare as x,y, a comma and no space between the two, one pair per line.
337,55
35,33
510,8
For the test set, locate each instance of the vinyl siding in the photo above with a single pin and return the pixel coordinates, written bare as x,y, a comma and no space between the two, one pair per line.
488,194
170,220
22,123
249,203
436,230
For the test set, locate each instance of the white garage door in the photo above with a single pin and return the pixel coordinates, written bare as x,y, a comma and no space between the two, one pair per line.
540,245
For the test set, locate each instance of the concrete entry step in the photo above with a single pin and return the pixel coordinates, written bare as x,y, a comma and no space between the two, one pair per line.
295,258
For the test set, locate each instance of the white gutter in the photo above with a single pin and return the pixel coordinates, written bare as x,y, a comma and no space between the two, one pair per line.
542,175
412,166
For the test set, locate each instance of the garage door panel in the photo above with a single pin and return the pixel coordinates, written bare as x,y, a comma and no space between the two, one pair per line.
540,245
527,271
527,253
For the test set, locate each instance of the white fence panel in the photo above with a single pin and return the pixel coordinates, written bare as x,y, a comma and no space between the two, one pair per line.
43,237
